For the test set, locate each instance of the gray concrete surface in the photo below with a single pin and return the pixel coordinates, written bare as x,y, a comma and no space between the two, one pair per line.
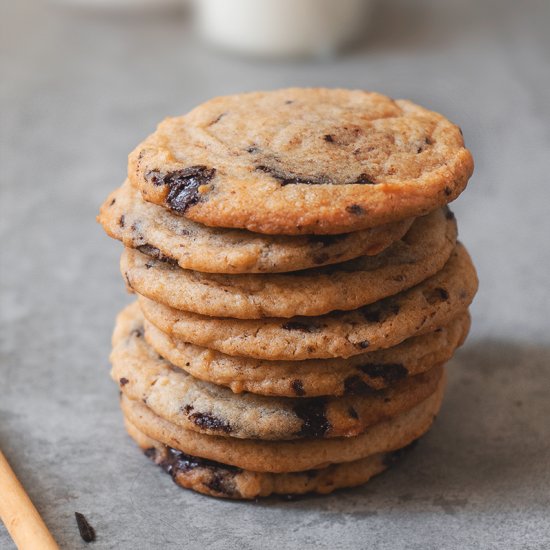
79,90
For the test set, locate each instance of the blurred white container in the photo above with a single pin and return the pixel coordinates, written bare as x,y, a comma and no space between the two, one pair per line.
124,5
282,27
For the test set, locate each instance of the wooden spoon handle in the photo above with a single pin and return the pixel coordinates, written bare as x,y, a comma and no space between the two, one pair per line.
23,522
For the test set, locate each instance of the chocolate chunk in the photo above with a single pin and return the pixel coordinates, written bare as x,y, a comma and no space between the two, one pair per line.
137,332
253,150
121,220
112,202
210,422
289,102
289,178
448,191
353,413
302,327
312,414
365,178
218,484
436,295
298,387
394,457
380,311
177,461
155,253
354,209
329,138
87,532
364,344
356,385
183,185
389,372
123,381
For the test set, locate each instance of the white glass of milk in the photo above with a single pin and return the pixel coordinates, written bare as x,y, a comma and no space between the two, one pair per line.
282,28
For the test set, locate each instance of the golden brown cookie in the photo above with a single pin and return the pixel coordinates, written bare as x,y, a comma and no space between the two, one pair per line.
423,251
315,377
419,310
302,161
288,456
208,408
224,481
165,235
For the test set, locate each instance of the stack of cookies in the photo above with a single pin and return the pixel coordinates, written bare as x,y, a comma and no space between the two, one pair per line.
299,288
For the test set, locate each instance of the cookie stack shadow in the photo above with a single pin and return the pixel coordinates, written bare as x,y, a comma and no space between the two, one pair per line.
253,364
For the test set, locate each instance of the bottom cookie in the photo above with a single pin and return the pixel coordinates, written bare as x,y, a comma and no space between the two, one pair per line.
224,481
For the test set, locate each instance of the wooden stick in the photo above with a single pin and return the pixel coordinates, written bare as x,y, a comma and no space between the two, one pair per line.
23,522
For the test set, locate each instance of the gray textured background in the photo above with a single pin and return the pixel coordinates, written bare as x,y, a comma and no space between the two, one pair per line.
78,91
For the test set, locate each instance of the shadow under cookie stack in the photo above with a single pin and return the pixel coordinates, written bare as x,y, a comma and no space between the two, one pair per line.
299,288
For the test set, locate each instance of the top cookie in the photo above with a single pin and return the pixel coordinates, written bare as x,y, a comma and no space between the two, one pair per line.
302,161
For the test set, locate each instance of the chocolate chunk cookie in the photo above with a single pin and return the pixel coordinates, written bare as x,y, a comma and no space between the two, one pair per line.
419,310
423,251
288,456
176,240
302,161
200,406
224,481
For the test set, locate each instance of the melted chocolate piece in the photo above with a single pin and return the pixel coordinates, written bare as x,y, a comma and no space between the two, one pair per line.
208,421
123,381
328,138
287,179
380,311
365,178
175,462
121,220
137,332
448,191
321,179
390,372
298,387
155,253
302,327
435,295
183,185
356,385
312,414
354,209
87,532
